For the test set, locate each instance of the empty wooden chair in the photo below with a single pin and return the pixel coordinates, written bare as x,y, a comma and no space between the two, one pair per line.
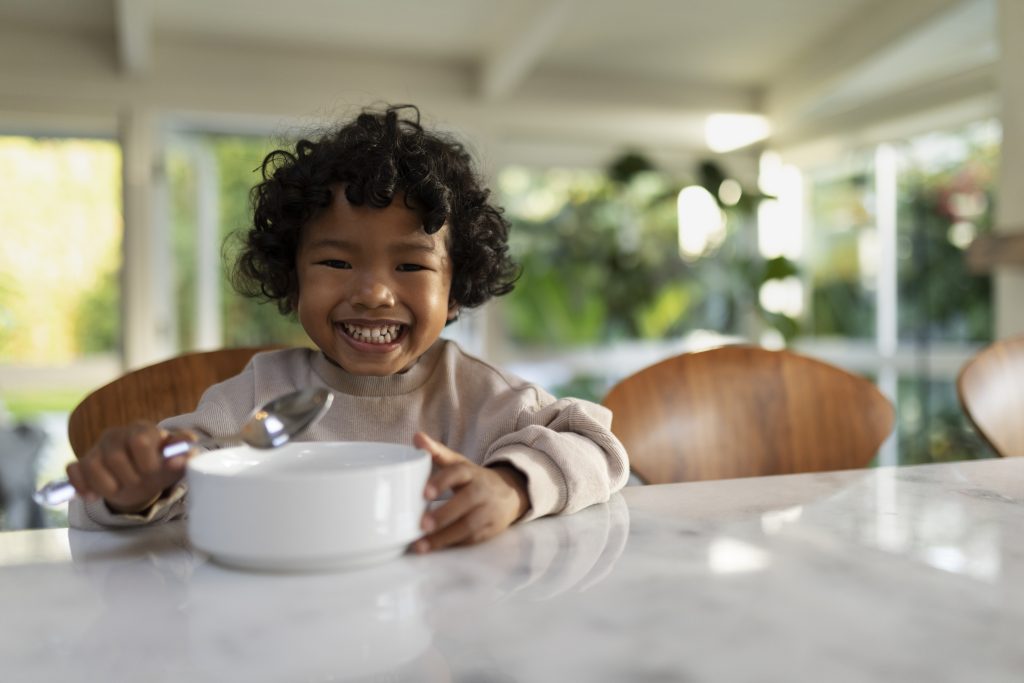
171,387
991,391
741,411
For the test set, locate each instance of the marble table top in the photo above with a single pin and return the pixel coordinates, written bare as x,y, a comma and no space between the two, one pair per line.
890,574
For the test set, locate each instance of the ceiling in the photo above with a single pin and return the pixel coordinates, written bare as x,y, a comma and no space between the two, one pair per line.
731,42
646,69
735,42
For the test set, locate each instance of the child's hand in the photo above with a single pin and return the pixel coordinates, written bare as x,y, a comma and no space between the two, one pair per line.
484,502
126,468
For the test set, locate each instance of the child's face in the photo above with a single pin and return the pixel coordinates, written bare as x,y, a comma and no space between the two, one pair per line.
373,287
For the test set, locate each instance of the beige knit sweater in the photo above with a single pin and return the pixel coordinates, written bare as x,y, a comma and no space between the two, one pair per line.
564,447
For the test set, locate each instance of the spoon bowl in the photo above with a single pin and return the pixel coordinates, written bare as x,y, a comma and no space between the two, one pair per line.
269,426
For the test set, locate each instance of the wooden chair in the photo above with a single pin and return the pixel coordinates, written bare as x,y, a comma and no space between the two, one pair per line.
154,392
991,391
742,411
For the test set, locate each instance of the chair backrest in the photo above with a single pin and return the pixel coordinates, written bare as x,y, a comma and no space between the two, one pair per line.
152,393
741,411
991,391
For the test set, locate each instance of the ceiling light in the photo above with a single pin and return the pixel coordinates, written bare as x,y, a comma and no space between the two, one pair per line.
727,132
701,222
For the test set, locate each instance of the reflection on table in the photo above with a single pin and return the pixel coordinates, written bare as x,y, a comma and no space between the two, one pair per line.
890,574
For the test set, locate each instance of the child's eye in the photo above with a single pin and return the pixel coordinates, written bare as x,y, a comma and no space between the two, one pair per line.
410,267
335,263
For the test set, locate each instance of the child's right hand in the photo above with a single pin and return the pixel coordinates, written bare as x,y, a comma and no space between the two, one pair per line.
126,468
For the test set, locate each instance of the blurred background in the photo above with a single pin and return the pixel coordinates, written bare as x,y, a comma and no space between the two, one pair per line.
679,174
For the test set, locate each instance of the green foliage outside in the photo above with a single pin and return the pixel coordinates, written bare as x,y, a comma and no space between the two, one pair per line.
245,321
931,427
588,387
944,200
842,215
939,299
7,318
601,262
25,404
61,225
941,209
182,195
98,315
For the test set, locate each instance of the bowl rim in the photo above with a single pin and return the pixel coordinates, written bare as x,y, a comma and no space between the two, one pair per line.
195,464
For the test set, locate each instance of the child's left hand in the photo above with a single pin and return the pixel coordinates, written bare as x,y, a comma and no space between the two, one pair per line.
485,500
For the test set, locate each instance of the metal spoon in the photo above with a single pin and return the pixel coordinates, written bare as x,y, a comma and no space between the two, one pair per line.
271,426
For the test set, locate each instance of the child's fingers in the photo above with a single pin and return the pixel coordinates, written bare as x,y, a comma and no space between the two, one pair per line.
119,464
473,527
75,477
182,434
446,479
441,454
97,478
178,463
455,508
144,450
422,440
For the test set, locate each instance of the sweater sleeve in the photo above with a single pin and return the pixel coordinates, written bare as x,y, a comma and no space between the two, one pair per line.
96,516
567,453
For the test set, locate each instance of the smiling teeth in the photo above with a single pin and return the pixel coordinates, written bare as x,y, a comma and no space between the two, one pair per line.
385,334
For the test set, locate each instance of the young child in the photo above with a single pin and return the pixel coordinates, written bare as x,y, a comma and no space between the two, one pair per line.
377,235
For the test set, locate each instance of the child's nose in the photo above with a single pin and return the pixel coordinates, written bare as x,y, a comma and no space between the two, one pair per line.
373,292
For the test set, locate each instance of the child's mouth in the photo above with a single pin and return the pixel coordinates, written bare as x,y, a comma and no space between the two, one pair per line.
385,333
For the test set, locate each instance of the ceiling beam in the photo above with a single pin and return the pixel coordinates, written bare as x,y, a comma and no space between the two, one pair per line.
587,87
505,69
878,29
133,20
942,103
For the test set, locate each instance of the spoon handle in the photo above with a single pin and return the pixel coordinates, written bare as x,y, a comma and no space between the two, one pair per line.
54,493
60,491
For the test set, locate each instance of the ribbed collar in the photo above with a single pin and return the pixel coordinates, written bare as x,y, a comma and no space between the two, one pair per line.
389,385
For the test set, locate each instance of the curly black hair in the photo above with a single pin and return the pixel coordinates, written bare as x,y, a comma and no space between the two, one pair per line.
376,156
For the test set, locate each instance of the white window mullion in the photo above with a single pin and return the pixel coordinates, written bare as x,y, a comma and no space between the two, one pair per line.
886,322
148,321
208,332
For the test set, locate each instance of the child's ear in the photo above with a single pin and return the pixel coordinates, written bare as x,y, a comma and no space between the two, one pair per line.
453,310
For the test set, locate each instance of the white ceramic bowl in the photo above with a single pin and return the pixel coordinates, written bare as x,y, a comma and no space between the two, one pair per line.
306,506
